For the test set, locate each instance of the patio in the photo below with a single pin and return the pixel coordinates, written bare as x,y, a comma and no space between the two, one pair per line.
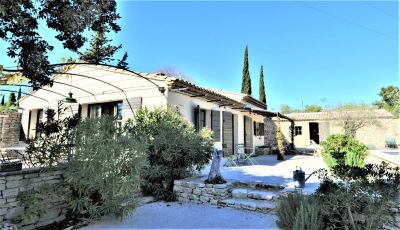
271,171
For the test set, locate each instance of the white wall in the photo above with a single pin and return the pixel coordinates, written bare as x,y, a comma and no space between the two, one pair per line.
187,104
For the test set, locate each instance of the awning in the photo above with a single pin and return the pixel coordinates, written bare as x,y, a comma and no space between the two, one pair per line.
266,113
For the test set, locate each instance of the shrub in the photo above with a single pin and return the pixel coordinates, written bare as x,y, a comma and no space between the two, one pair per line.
308,216
53,143
174,149
343,150
104,173
355,205
296,211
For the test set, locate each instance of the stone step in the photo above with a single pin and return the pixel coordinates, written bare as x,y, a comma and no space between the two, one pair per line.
243,193
248,204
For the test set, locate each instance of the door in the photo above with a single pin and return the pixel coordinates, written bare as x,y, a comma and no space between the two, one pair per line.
248,133
227,135
314,132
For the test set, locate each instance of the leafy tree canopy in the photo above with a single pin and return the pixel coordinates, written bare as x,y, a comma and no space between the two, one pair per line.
19,22
390,99
313,108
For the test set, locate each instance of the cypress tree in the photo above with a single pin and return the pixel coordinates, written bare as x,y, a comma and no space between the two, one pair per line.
2,100
262,87
246,81
19,94
11,99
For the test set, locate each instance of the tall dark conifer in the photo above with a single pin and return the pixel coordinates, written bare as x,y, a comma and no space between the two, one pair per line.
262,87
19,94
11,99
2,100
100,51
246,81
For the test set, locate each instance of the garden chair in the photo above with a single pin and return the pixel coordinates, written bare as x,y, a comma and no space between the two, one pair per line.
231,160
390,142
240,152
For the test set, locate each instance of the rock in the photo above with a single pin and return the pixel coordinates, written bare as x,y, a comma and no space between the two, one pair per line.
240,193
10,193
13,213
221,186
8,226
197,191
204,199
13,183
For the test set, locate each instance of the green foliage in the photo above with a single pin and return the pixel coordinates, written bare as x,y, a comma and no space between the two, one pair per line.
29,47
342,149
53,143
246,81
287,210
356,205
390,99
100,51
174,149
313,108
308,216
285,109
19,94
279,140
104,171
34,204
262,86
123,62
11,99
296,211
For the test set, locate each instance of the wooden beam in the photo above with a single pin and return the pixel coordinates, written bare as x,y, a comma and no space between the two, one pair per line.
200,95
214,100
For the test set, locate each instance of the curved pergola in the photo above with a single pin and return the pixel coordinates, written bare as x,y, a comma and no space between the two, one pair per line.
89,77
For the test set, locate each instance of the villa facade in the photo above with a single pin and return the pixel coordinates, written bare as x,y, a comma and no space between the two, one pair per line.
100,90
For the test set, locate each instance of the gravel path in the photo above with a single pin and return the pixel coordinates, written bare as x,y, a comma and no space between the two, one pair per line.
176,215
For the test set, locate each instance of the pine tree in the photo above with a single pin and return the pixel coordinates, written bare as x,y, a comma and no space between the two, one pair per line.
19,94
2,100
246,81
100,51
262,87
11,99
123,62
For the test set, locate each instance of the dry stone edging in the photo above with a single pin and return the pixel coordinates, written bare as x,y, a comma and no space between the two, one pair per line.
234,194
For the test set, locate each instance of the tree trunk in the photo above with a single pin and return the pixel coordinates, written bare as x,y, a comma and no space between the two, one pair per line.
215,177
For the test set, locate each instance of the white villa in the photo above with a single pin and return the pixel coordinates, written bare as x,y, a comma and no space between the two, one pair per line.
101,90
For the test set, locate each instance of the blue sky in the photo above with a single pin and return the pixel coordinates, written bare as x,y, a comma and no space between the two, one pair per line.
313,52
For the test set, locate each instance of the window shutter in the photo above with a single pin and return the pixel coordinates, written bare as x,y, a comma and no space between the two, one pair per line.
216,125
196,121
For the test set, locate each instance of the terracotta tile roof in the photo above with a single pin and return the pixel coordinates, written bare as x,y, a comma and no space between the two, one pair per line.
376,113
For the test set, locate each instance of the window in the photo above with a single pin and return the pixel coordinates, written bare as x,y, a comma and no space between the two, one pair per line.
202,118
258,128
297,130
106,109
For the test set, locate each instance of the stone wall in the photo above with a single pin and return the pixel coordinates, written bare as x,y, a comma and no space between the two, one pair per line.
195,190
13,183
10,125
269,132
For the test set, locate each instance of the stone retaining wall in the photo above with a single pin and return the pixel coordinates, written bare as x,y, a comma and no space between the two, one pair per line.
195,190
10,125
13,183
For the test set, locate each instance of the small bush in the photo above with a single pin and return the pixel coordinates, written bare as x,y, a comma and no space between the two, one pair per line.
104,172
308,216
174,149
355,205
287,210
296,211
343,150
